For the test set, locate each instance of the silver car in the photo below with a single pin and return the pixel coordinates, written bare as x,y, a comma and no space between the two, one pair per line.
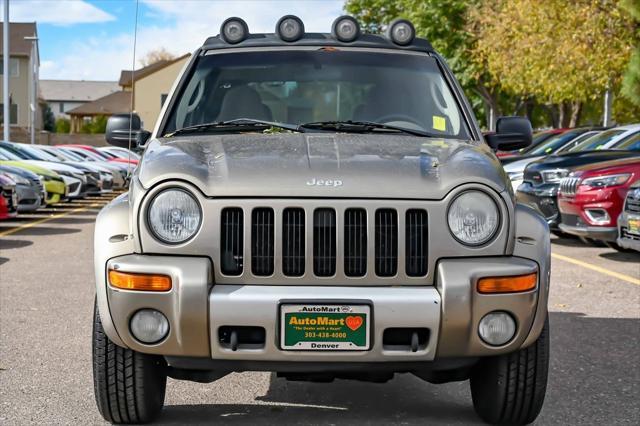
321,206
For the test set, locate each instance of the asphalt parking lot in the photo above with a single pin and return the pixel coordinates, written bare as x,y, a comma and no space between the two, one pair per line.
46,302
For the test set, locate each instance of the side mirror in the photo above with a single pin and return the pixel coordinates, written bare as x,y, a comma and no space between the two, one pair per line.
125,130
511,133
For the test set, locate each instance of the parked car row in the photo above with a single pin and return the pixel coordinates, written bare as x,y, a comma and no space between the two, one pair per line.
584,182
37,176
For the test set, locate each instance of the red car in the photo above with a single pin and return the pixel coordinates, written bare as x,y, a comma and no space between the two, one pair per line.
8,198
591,198
102,155
537,139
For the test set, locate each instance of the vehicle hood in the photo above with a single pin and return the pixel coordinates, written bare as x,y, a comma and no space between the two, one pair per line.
321,165
576,159
31,167
518,166
57,167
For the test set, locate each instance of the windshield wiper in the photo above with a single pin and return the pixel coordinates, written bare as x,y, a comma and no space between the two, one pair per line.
363,127
236,125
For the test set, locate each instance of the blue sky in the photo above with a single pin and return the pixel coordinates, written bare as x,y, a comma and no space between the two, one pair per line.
93,39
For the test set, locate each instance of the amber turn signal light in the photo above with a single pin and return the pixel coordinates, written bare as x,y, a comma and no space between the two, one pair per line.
513,284
140,282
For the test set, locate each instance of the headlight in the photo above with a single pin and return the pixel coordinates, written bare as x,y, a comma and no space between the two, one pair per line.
174,216
605,181
473,218
553,176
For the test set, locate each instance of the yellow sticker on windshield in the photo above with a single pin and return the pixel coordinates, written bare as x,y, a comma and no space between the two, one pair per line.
439,123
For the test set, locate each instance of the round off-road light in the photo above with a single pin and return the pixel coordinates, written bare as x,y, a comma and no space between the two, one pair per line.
345,29
149,326
497,328
290,28
234,30
401,32
174,216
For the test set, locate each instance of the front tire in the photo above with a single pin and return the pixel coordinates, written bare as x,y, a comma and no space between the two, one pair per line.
510,388
129,386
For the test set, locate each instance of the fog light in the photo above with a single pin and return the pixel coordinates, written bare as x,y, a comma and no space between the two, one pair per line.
234,30
401,32
497,328
149,326
290,28
346,29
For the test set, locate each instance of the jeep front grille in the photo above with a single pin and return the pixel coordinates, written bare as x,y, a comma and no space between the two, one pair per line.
262,241
355,242
569,185
293,242
232,241
324,242
416,242
316,242
386,242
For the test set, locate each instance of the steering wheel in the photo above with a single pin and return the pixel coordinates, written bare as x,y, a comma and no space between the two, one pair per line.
399,117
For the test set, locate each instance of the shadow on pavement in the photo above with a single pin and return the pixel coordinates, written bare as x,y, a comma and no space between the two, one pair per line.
3,260
568,242
14,244
593,379
617,256
42,230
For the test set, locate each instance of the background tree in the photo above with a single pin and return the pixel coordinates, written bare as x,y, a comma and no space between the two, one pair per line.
561,52
631,79
156,55
48,119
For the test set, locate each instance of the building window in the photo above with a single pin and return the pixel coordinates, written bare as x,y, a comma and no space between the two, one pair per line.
14,67
13,114
61,107
163,98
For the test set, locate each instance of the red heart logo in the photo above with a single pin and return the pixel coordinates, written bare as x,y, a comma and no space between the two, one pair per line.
353,323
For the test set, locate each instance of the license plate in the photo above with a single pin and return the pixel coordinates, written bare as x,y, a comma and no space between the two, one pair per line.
634,226
325,327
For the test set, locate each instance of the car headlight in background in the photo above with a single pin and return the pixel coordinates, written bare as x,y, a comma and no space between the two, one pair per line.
473,218
553,176
605,181
174,216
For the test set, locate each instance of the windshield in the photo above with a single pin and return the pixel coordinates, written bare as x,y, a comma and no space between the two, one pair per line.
302,86
6,155
72,155
598,141
630,143
37,153
553,143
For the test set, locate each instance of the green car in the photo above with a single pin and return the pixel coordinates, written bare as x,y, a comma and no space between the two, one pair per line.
54,186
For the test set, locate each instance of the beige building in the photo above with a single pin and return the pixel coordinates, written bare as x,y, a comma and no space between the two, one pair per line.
152,85
24,64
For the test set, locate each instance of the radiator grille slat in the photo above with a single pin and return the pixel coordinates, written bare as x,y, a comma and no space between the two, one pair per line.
324,242
293,242
386,226
232,241
355,242
416,242
262,241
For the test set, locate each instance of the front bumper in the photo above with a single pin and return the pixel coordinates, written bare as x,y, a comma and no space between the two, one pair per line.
627,239
603,233
196,309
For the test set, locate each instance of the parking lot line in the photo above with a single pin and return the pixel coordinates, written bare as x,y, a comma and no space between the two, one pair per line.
47,219
605,271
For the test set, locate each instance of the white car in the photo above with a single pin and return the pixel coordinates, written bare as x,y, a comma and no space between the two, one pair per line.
119,152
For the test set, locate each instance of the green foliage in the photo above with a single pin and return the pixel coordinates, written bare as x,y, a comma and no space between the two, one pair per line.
63,125
48,119
97,125
631,80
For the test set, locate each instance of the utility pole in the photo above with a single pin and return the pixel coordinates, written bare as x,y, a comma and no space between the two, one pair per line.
33,107
5,75
606,120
